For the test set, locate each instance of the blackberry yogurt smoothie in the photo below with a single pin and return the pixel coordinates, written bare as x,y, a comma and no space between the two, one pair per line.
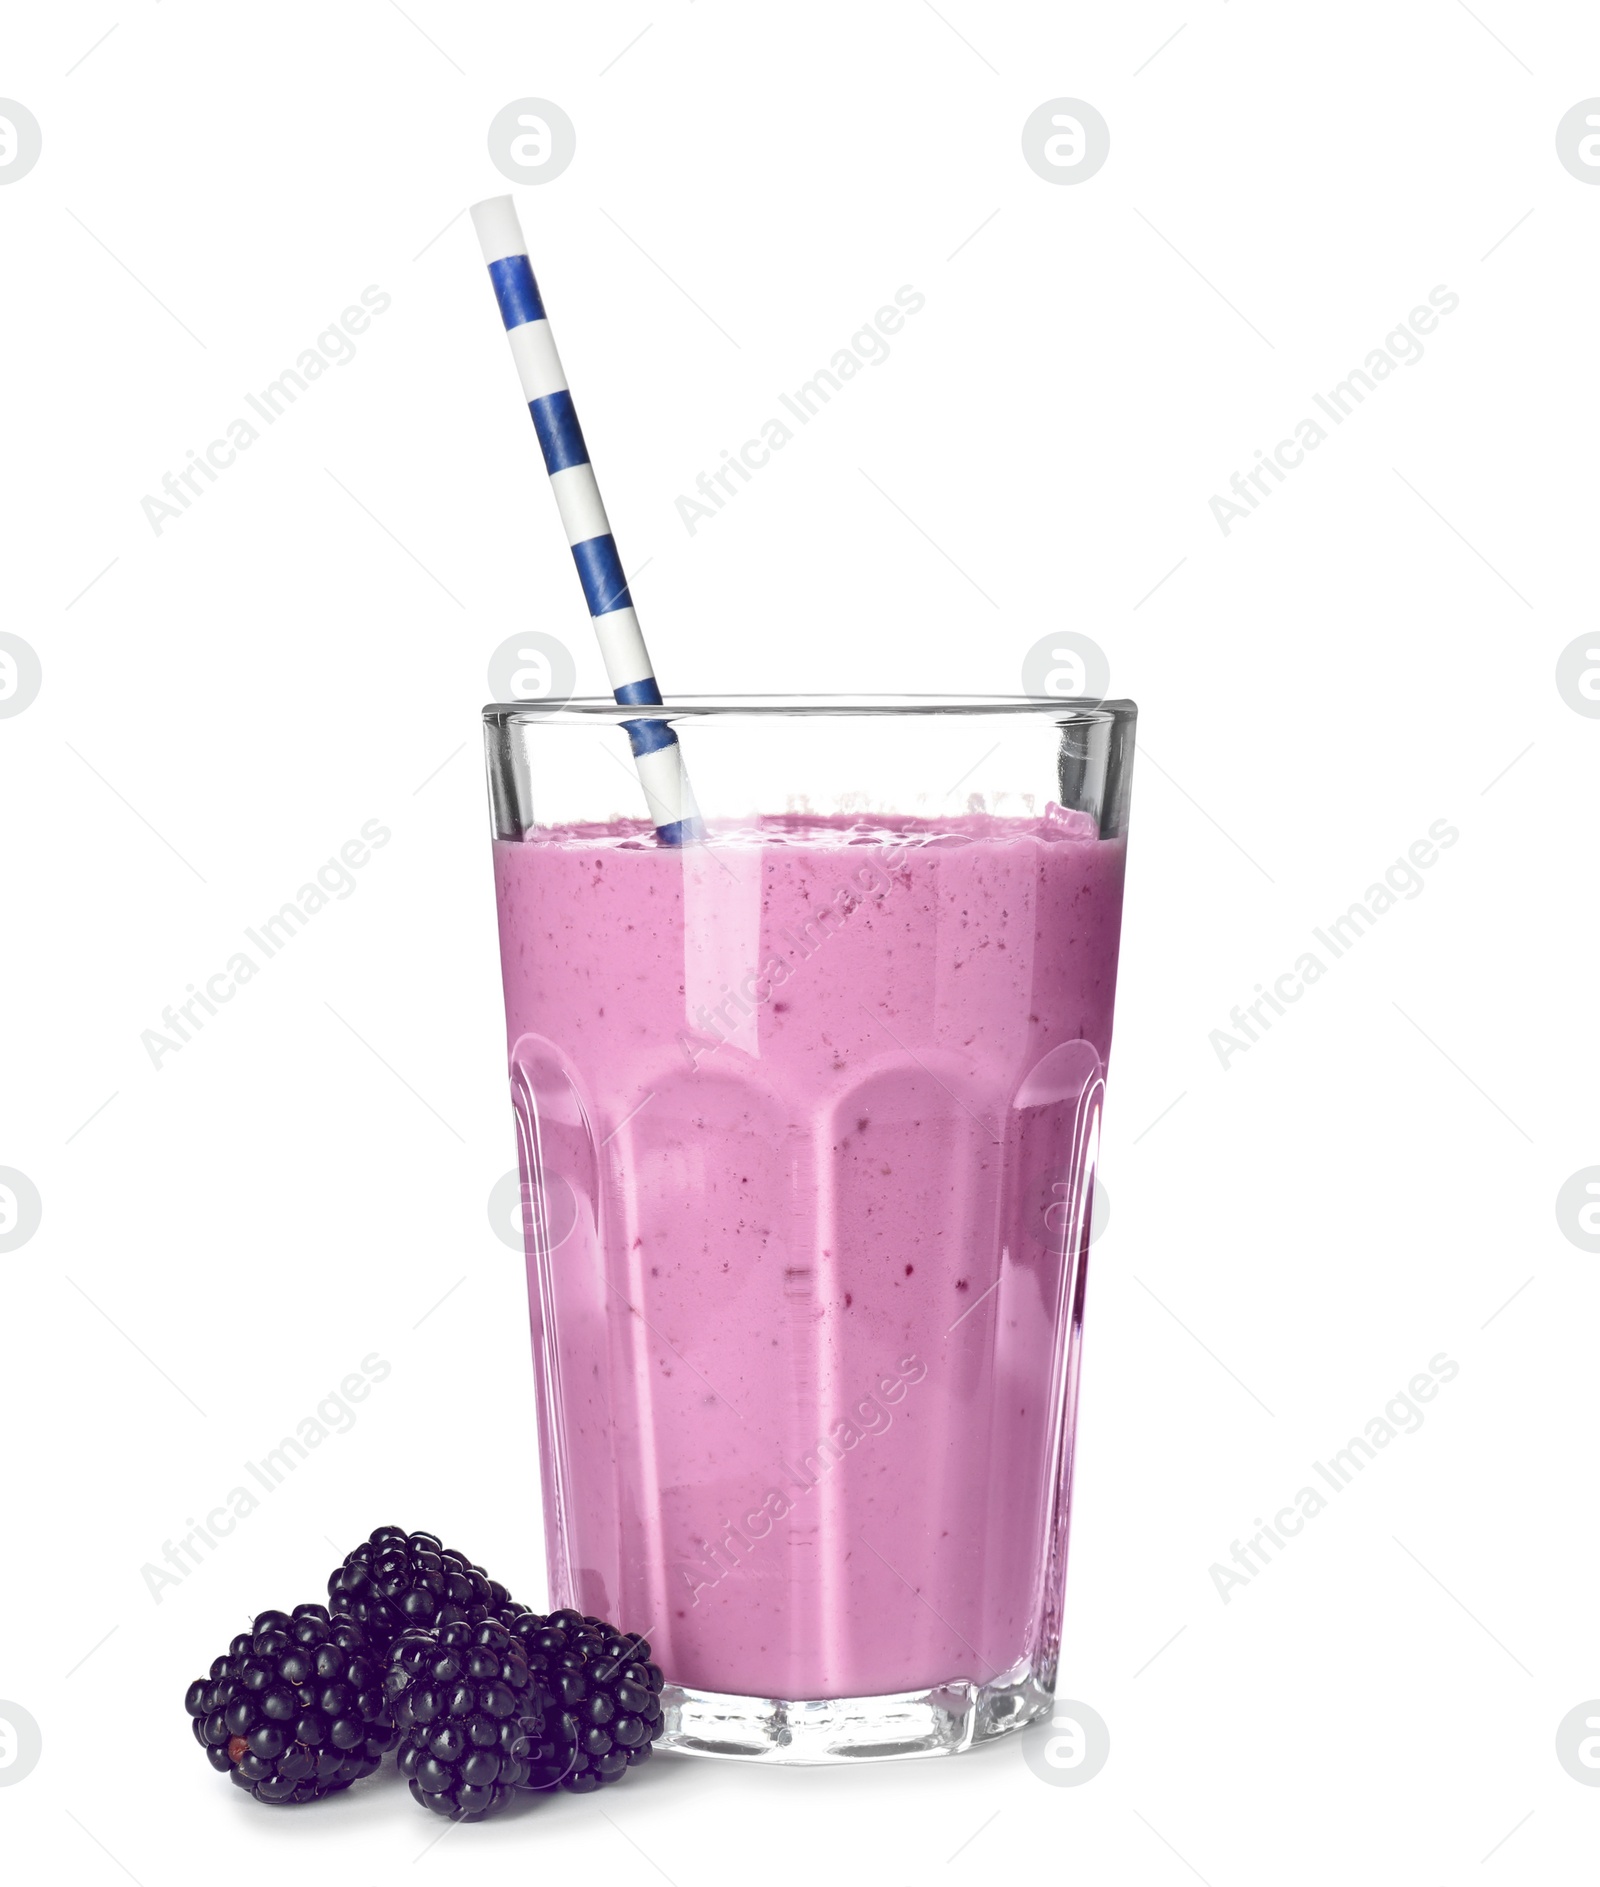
808,1118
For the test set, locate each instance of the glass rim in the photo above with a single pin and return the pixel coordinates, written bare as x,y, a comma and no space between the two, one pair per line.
1072,710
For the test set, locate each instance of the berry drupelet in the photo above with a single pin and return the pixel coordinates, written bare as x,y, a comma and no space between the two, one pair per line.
605,1698
469,1715
396,1580
296,1709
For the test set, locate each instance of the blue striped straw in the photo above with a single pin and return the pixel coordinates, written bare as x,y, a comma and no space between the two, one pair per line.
656,752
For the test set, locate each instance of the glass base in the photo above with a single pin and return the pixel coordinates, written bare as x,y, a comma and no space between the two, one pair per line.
942,1721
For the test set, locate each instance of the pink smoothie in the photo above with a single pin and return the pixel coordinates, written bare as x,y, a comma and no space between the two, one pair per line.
808,1113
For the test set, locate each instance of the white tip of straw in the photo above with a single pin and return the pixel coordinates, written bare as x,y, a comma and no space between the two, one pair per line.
499,232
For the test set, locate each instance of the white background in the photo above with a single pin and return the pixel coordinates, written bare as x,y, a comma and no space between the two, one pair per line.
225,703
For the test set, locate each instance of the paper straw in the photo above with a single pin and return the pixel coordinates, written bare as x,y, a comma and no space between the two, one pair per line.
656,752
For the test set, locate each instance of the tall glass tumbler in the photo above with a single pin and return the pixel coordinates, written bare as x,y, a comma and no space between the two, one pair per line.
808,1118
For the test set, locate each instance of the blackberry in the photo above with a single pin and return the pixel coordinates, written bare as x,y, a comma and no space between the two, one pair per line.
469,1715
605,1698
395,1580
296,1709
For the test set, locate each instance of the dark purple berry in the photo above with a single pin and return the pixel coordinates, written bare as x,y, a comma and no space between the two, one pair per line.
263,1715
604,1711
465,1738
395,1581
